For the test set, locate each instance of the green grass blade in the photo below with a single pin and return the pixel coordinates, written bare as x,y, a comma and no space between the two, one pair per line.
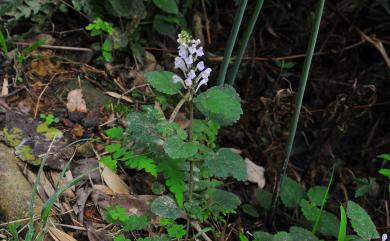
343,224
298,105
3,44
231,42
245,40
314,230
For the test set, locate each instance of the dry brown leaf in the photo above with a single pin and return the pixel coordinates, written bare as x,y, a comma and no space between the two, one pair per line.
104,189
57,234
255,173
4,89
78,130
76,101
113,180
119,96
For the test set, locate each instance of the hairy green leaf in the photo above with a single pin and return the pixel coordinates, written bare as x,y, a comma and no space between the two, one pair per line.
221,201
262,236
168,6
135,222
177,148
141,126
225,163
291,193
361,221
301,234
162,81
166,207
220,103
282,236
264,198
164,25
316,194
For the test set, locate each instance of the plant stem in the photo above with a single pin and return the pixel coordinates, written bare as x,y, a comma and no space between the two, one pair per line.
245,40
231,42
191,174
298,105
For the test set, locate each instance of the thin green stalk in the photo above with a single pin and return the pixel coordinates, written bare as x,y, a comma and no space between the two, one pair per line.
231,42
298,105
343,224
315,226
245,40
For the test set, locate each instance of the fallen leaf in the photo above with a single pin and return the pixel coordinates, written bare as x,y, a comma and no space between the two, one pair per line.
255,173
114,181
4,89
76,101
57,234
94,235
78,130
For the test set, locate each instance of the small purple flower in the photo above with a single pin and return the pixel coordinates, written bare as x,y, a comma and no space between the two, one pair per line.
384,237
179,64
200,66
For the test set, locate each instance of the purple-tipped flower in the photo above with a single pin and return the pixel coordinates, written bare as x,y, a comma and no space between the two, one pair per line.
188,62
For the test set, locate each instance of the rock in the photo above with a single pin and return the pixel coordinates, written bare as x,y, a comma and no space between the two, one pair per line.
93,97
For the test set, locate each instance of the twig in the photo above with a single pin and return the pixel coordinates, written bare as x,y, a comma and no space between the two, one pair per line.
198,228
46,46
41,94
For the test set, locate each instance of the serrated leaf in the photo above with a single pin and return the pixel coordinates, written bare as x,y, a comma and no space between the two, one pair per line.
174,176
141,126
135,222
168,6
316,194
142,163
361,221
222,201
291,193
177,148
164,25
225,163
220,103
115,133
282,236
329,223
262,236
166,207
301,234
176,231
162,81
264,198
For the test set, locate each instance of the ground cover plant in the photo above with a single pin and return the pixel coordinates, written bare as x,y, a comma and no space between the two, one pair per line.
194,120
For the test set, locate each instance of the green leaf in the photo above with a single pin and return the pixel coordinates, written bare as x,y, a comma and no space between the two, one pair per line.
166,207
361,221
301,234
128,9
264,198
121,238
164,25
385,157
221,201
109,162
162,81
141,126
243,237
291,193
220,103
155,238
115,133
385,172
174,176
177,148
250,210
225,163
328,224
176,231
282,236
168,6
135,222
343,225
116,214
316,194
262,236
142,163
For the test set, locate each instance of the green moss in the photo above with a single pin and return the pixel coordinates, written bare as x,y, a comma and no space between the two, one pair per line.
48,132
26,154
13,137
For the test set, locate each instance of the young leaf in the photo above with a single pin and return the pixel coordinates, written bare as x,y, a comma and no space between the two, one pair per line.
177,148
115,133
166,207
222,201
121,238
176,231
384,157
225,163
361,221
291,193
316,194
220,103
141,126
168,6
343,225
162,81
243,237
116,214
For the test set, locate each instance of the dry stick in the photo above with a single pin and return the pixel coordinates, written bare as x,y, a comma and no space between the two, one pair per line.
46,46
41,94
298,105
207,23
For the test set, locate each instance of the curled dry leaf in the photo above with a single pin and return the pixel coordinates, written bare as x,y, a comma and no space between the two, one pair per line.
114,181
76,101
255,173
